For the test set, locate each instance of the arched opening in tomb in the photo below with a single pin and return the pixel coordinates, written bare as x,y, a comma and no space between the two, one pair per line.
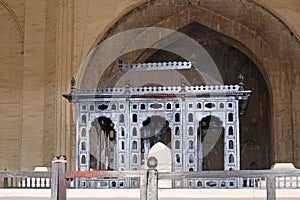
102,144
210,138
155,129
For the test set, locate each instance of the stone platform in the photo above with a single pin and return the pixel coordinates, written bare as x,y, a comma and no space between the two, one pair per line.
164,194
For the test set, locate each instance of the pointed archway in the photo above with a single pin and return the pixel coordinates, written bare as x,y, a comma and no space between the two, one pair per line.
211,143
102,135
155,129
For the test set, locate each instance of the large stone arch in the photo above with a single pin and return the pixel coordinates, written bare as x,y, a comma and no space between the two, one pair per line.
11,78
259,34
15,19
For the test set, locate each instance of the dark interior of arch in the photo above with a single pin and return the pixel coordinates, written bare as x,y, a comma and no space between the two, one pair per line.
255,125
214,160
156,129
102,131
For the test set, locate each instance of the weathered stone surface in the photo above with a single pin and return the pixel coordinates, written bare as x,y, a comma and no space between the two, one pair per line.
43,44
11,64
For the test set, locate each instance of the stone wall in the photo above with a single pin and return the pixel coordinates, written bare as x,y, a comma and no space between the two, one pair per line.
11,85
43,43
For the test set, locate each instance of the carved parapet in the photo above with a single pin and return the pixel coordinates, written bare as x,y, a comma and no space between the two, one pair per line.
156,66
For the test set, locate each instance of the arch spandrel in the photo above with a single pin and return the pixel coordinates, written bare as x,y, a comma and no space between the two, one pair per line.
187,14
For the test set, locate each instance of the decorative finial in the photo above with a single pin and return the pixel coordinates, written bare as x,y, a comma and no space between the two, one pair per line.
54,158
241,81
69,96
73,83
127,83
183,84
62,157
152,162
120,62
193,59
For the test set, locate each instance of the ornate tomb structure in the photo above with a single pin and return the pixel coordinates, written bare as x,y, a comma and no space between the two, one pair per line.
117,125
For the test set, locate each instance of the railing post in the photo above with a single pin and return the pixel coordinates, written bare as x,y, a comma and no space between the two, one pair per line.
5,182
271,188
143,184
58,183
152,179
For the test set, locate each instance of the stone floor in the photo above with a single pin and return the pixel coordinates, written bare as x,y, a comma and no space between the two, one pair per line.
164,194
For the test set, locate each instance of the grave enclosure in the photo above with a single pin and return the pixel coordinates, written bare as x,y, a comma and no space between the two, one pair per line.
117,126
